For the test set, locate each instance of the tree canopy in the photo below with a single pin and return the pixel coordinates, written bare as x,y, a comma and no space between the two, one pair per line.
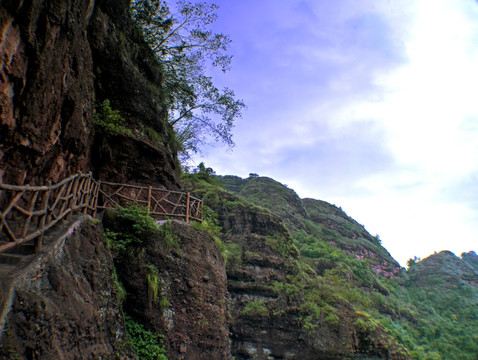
198,110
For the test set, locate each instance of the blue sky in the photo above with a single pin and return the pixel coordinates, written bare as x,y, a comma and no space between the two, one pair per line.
368,105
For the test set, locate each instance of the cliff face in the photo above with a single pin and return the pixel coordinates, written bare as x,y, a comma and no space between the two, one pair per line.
64,304
445,268
47,89
58,59
190,310
289,278
317,218
444,289
279,307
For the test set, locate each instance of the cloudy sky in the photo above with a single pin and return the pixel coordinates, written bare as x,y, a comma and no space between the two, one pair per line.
370,105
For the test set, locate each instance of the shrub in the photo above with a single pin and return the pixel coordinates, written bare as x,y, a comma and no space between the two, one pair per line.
153,135
109,121
141,223
146,345
365,322
170,239
233,255
332,319
255,308
121,291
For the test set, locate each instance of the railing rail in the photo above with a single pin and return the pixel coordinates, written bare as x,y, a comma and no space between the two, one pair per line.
27,212
161,202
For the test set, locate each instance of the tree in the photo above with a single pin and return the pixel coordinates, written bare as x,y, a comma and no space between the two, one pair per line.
198,110
412,262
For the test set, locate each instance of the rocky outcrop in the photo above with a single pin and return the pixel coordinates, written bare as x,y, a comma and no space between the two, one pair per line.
56,60
46,90
444,269
352,237
315,217
63,303
123,159
471,258
128,74
191,308
277,305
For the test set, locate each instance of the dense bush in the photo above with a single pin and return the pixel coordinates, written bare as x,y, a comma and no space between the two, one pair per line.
146,345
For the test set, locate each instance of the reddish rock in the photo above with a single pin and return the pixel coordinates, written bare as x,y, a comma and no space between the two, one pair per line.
194,324
56,60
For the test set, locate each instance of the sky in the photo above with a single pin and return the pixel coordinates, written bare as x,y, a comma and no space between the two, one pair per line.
369,105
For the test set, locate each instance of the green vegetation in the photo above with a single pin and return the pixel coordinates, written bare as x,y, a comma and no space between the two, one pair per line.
186,47
137,222
255,308
339,274
146,345
446,325
140,222
286,249
109,121
170,240
133,226
121,291
152,277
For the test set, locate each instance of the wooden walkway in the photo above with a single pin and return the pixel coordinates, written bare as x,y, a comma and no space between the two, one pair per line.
26,212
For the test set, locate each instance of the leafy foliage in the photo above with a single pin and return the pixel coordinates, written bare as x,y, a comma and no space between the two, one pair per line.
170,239
140,221
146,345
109,121
255,308
121,291
198,109
136,222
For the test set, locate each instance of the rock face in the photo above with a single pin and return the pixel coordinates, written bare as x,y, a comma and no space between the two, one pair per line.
471,258
191,309
315,217
123,159
353,239
274,299
64,304
56,61
47,89
445,267
128,74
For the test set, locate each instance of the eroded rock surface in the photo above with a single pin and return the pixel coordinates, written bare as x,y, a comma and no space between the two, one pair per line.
64,304
57,59
191,309
47,90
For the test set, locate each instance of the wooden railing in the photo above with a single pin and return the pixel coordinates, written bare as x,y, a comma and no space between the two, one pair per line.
160,202
26,212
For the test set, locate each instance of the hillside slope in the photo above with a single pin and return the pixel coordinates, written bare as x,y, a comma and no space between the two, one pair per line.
294,293
429,310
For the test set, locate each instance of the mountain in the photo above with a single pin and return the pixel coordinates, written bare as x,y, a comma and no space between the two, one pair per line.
266,275
368,293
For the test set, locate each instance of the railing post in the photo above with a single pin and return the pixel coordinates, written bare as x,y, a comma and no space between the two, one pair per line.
198,212
188,195
149,198
96,195
86,185
43,219
90,187
72,189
